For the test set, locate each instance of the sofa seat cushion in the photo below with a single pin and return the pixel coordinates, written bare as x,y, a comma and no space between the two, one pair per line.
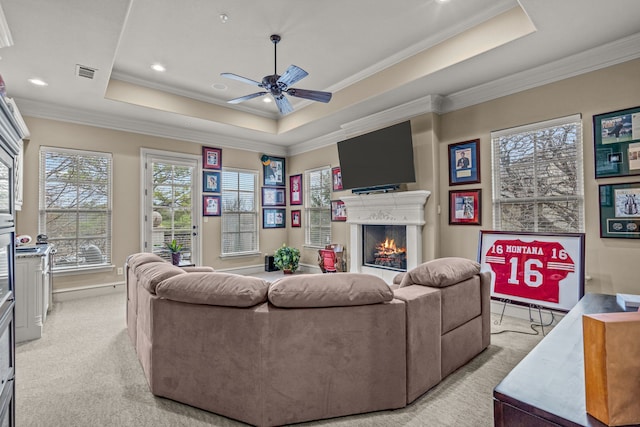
212,288
136,260
151,274
441,272
329,290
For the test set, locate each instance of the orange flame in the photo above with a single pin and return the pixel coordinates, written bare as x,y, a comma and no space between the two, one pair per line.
389,247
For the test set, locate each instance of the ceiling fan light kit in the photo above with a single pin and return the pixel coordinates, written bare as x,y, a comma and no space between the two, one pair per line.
278,86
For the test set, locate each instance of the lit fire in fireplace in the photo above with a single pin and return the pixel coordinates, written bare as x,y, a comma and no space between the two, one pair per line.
387,254
388,247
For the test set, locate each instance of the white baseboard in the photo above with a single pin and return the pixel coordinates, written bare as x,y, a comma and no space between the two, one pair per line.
88,291
523,312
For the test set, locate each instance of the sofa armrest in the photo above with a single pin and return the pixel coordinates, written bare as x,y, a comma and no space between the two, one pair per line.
424,328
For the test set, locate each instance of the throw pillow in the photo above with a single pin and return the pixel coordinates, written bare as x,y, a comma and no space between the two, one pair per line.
329,290
441,272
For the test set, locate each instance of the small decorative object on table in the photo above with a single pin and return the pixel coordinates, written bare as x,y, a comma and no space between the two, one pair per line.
287,259
175,248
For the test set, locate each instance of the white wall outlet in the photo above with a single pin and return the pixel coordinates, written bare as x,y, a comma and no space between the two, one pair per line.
120,271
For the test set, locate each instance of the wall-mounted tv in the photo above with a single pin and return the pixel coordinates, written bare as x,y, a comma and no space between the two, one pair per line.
377,160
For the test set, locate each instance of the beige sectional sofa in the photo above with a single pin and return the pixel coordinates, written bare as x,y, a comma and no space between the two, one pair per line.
306,346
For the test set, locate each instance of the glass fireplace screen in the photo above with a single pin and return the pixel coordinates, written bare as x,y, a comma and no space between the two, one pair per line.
385,246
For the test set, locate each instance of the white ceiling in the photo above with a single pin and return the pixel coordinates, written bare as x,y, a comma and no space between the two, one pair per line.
373,55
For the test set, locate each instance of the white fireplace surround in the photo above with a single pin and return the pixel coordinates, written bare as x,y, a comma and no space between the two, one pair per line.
395,208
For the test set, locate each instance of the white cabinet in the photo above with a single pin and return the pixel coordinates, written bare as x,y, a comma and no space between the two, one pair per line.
33,290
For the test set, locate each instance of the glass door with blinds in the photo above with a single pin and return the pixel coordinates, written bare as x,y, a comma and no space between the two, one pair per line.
171,204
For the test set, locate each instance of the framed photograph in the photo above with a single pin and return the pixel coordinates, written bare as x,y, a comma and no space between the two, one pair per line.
273,218
273,196
336,175
211,182
465,207
535,269
211,206
620,210
464,162
273,171
616,138
338,210
211,158
296,218
295,189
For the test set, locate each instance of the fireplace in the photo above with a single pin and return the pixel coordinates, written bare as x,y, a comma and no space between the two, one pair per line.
385,246
402,209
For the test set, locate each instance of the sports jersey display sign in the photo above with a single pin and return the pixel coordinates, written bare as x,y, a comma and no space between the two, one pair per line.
534,268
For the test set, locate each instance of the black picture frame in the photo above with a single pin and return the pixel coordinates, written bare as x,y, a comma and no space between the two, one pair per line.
274,196
211,205
464,163
273,218
620,210
211,158
211,182
616,140
465,207
273,171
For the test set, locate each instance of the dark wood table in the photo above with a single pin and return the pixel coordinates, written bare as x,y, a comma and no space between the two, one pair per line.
547,387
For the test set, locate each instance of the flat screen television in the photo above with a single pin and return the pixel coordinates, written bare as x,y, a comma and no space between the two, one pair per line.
377,160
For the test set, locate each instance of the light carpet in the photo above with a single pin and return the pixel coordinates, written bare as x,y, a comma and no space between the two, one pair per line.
84,372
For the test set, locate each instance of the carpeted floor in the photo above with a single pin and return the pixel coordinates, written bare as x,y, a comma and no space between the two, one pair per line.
84,372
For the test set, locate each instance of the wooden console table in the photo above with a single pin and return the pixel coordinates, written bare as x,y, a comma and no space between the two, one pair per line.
547,387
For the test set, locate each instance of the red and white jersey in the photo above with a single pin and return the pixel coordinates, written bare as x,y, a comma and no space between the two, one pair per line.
530,270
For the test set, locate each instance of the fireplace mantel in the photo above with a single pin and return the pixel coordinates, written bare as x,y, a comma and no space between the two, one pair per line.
395,208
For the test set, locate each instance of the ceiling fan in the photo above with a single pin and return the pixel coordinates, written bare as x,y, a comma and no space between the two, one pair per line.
277,85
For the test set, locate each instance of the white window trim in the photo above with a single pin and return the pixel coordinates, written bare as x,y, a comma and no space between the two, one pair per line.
307,208
256,205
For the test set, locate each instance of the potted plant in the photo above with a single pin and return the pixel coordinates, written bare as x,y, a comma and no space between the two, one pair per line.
175,248
287,259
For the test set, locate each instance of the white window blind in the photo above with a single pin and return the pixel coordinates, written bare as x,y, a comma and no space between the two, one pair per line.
538,177
75,206
318,207
239,212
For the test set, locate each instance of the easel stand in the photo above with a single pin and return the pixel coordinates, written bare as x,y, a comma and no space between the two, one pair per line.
530,306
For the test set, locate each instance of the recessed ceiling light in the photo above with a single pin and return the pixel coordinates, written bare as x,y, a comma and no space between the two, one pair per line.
442,1
158,67
38,82
224,18
266,100
219,86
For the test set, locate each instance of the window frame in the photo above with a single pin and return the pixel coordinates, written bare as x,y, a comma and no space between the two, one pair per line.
536,199
42,210
226,214
308,194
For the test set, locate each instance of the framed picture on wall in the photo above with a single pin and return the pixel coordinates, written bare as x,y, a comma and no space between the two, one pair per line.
211,158
620,210
211,206
273,171
295,189
211,182
273,196
296,218
464,162
273,218
465,207
338,210
336,175
616,138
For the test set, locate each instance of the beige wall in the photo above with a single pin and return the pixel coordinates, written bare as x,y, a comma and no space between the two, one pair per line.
608,261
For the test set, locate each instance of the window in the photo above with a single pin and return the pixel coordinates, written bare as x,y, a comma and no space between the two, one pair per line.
537,177
75,207
239,212
318,207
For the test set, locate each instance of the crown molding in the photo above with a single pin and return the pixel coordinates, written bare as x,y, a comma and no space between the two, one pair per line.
316,143
617,52
71,115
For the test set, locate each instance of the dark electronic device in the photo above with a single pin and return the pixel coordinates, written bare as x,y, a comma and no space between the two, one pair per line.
377,161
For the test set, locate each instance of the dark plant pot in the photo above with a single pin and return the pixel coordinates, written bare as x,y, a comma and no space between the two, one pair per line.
287,271
175,258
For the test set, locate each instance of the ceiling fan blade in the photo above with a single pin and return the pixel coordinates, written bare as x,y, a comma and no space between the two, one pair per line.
314,95
241,79
283,104
292,75
246,97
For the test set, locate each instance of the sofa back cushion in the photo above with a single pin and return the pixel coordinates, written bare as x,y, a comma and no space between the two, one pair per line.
329,290
212,288
152,273
136,260
441,272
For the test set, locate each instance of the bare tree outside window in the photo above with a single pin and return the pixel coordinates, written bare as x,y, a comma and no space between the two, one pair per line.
537,177
75,206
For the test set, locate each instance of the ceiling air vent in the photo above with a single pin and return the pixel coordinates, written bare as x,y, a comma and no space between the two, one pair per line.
84,71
